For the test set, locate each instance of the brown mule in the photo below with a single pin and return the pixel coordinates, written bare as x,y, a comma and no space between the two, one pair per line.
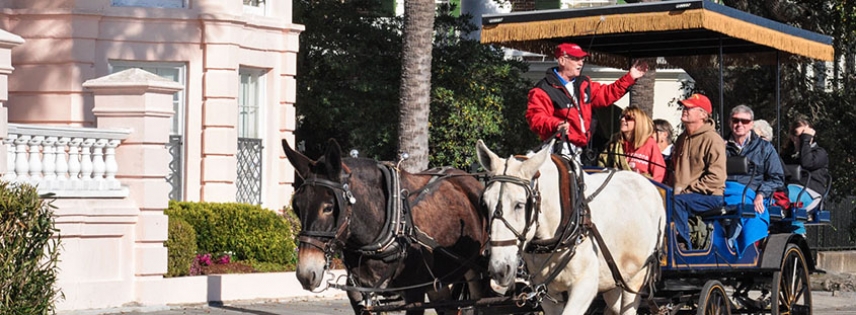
393,229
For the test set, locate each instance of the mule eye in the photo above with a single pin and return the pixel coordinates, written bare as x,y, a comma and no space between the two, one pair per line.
328,209
520,206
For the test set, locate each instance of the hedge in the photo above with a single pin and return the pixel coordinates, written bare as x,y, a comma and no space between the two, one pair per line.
181,247
246,231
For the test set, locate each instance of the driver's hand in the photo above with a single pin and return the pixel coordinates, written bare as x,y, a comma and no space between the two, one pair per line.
563,127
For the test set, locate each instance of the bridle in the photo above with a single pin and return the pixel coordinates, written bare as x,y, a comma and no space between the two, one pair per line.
330,241
533,205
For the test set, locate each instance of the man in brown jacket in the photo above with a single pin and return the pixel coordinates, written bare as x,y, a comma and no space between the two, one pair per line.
699,164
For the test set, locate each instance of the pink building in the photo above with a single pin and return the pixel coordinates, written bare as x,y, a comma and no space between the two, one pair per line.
202,120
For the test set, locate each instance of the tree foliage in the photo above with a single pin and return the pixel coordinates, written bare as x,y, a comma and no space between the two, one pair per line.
348,77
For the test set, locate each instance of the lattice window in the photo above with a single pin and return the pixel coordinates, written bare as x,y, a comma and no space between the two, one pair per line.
249,182
250,98
175,146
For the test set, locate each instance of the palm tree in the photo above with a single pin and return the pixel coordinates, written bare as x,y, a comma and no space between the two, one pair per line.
642,93
416,83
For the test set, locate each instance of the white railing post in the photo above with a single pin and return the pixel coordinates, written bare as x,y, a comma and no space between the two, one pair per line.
49,164
111,166
86,162
61,163
98,166
36,159
9,142
74,163
22,166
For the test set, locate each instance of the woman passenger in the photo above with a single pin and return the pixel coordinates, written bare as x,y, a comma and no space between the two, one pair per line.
634,147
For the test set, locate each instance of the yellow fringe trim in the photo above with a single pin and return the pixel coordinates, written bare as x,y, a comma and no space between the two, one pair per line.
539,36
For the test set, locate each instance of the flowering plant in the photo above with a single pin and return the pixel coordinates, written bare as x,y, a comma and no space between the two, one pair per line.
203,262
204,259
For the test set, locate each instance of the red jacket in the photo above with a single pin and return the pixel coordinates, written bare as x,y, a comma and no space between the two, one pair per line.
544,114
648,152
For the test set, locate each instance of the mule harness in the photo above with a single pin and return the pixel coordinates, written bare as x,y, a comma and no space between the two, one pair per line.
397,234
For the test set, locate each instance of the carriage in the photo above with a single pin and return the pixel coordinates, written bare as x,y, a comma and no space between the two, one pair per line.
766,274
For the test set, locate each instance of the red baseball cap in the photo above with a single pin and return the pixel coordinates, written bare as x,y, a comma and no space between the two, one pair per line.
698,100
569,49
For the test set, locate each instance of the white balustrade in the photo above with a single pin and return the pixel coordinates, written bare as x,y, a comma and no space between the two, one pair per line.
67,161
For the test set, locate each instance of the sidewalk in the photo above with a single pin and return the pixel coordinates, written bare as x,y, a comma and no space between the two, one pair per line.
824,303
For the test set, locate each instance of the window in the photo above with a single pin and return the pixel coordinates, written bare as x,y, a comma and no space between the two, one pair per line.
172,71
175,72
151,3
256,7
249,155
249,104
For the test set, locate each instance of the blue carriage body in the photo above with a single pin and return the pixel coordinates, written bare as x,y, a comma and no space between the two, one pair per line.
718,256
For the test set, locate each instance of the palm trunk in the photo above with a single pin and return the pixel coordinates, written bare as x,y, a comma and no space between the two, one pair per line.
642,93
416,83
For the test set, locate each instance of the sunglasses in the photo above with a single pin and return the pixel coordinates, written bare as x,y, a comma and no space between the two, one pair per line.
628,118
735,120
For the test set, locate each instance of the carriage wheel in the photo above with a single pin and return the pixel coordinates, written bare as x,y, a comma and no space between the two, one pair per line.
791,290
713,300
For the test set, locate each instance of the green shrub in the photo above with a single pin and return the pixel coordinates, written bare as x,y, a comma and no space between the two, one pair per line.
263,266
249,232
29,252
181,246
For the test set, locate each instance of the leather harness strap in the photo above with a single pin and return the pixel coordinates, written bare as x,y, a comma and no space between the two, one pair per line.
563,237
610,261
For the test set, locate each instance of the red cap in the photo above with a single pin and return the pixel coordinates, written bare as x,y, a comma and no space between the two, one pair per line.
569,49
698,100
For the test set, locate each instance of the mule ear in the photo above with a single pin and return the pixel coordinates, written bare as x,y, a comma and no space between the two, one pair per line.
300,162
530,167
333,159
488,160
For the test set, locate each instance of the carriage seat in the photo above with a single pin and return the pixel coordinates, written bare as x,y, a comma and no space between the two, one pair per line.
795,174
734,165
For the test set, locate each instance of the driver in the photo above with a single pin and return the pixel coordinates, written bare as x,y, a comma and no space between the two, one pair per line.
563,100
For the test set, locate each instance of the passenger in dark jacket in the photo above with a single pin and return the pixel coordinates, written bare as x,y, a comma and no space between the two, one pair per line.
810,156
767,168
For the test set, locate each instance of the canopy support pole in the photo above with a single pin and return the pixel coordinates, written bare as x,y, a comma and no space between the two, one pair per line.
721,124
778,102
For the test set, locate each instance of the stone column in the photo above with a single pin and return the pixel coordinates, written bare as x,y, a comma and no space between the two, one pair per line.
7,42
141,101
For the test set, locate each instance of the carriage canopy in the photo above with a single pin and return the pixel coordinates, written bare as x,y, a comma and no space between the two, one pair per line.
615,34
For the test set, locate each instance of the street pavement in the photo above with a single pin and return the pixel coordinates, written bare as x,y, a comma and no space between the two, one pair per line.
825,303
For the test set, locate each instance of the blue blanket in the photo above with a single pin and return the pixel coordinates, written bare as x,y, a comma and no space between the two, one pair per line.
748,231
